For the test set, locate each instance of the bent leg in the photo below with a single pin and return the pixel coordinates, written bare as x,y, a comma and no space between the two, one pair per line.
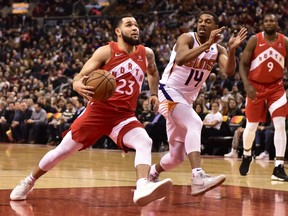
146,191
174,157
65,149
139,140
186,119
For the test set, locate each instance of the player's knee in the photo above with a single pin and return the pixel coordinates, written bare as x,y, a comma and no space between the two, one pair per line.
279,123
177,158
251,127
169,161
144,144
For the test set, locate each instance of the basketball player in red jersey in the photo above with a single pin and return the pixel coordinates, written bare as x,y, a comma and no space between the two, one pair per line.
261,69
128,61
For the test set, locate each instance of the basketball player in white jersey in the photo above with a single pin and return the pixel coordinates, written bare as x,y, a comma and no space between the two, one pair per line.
262,70
191,62
115,117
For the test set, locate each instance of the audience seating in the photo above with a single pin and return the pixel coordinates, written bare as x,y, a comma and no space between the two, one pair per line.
220,145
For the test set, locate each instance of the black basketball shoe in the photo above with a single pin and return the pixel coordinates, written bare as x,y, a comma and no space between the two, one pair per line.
279,173
245,165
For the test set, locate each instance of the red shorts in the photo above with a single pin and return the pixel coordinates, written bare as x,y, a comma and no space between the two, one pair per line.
269,96
97,121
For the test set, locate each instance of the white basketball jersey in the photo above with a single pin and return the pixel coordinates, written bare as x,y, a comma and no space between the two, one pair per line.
188,79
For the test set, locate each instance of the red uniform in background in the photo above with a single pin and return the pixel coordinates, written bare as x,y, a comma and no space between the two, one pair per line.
266,74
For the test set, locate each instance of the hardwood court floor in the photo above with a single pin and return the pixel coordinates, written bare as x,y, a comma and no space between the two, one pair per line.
101,182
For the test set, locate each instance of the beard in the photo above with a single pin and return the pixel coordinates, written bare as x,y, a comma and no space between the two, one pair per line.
130,41
270,31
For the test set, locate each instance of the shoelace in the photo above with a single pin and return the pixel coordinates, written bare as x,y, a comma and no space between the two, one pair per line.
155,178
25,185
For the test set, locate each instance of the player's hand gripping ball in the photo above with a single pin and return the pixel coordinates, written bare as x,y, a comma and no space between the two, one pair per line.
103,82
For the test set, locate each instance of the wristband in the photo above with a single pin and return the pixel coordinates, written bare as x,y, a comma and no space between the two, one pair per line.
154,95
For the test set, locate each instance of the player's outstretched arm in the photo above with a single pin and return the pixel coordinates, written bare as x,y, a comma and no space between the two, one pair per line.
227,61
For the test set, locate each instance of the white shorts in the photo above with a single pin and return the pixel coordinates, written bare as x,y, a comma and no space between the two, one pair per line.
169,98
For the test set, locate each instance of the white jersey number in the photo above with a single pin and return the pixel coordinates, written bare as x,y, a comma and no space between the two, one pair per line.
122,84
270,65
196,75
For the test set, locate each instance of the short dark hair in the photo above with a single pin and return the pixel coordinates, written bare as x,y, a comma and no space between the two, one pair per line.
118,20
80,100
215,17
270,14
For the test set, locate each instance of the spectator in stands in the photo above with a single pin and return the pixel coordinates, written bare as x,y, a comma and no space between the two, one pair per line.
156,129
55,127
61,105
199,110
201,99
34,129
79,104
233,110
212,122
19,120
211,96
224,107
239,84
241,103
225,82
211,128
6,120
235,92
69,112
225,94
211,82
237,137
147,114
46,104
2,106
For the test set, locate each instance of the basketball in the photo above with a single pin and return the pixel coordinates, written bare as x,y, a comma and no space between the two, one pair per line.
103,82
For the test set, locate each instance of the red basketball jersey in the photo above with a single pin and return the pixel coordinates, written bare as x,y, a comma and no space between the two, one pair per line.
268,60
100,117
129,71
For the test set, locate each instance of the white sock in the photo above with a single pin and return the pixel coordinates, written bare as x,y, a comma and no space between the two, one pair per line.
278,162
33,180
196,171
247,153
153,170
140,182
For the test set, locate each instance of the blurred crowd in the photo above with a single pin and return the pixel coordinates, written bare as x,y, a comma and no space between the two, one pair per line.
37,64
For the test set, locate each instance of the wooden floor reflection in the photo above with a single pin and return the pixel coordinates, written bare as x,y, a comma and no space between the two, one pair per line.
101,182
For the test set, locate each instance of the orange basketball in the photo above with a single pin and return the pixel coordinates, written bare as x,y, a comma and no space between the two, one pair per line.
103,82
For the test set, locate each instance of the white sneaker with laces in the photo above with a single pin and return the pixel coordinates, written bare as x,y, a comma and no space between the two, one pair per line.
152,191
262,156
21,191
203,183
232,154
